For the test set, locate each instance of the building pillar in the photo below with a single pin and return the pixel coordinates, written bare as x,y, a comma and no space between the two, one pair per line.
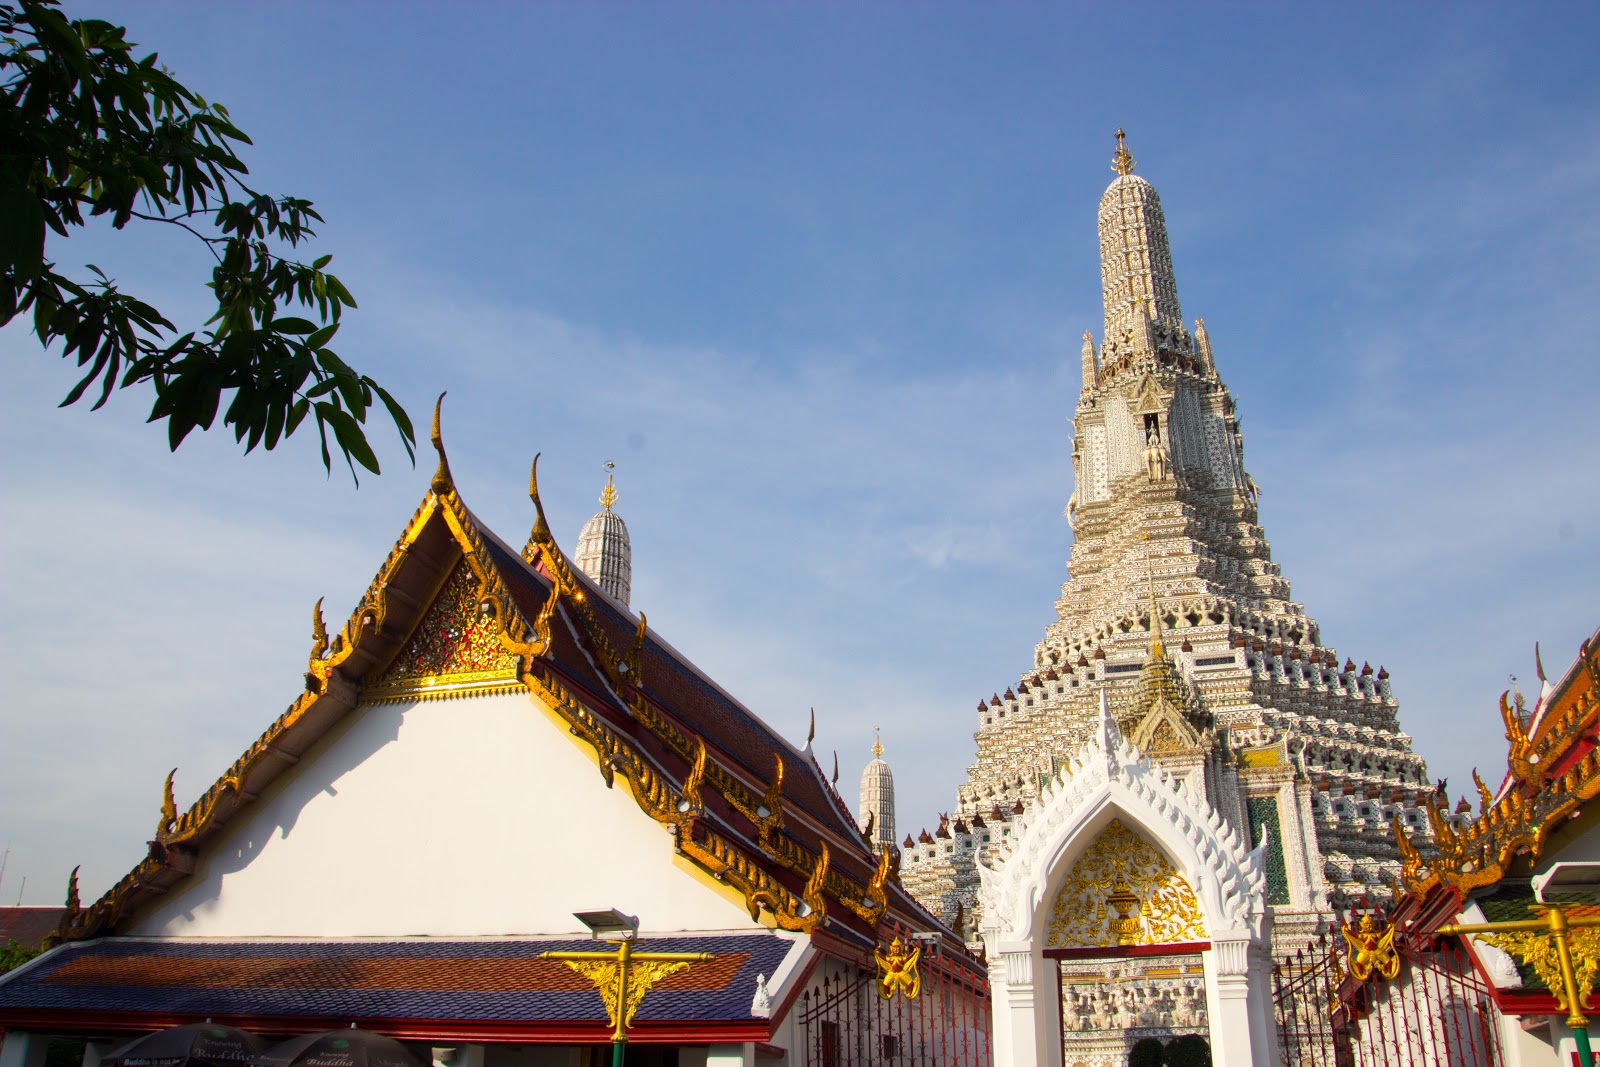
732,1055
22,1048
1228,1008
93,1050
1027,1023
1263,1020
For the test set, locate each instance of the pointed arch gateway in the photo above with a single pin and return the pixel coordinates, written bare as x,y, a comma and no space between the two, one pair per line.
1116,857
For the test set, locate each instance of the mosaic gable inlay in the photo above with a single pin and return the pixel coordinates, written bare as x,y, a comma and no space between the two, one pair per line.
454,644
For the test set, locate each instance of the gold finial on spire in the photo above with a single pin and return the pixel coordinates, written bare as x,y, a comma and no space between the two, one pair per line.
877,744
1122,162
608,495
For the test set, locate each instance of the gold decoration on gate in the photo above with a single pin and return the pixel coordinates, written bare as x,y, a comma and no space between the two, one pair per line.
1372,949
897,971
1124,891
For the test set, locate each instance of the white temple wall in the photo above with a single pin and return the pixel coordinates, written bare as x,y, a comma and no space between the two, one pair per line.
1098,477
454,818
1585,848
1186,439
1125,435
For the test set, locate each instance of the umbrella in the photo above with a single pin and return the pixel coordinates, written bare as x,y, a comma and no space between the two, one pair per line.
337,1048
197,1043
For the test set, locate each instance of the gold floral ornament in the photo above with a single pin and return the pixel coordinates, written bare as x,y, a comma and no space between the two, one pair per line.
622,977
1124,891
456,644
1372,949
897,971
1538,950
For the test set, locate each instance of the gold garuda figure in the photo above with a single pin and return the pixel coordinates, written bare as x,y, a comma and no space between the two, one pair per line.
1372,949
897,971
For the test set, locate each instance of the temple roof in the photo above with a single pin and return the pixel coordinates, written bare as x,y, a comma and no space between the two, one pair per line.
746,806
421,983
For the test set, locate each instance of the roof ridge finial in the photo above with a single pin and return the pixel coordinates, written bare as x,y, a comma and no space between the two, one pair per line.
877,743
1122,162
608,495
442,481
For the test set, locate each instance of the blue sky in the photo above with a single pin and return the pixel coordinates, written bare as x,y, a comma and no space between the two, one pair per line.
815,276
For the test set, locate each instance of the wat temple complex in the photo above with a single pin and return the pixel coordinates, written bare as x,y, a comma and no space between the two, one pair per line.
1176,612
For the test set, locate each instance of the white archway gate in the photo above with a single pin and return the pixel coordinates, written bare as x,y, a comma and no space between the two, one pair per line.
1229,922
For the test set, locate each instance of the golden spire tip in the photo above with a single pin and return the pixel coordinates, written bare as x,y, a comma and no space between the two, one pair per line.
877,744
608,495
1123,162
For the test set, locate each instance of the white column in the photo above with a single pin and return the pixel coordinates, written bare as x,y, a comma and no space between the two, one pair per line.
741,1055
1263,1021
1027,1024
93,1050
1227,969
23,1049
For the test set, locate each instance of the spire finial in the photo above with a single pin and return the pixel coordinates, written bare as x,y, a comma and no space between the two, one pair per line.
1122,162
1155,615
877,743
608,495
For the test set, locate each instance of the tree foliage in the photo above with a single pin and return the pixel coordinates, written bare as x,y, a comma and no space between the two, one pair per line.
87,131
13,955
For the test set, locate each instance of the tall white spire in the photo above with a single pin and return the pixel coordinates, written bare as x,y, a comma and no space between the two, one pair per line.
1136,280
877,798
604,551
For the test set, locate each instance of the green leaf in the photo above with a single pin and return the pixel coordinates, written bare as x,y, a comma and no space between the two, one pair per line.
321,337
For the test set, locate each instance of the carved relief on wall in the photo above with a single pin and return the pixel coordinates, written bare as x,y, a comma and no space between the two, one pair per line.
1124,891
454,645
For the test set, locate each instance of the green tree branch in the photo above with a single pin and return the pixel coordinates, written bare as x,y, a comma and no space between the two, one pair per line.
87,131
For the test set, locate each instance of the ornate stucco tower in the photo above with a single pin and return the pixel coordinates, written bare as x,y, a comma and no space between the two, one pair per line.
604,551
877,800
1175,608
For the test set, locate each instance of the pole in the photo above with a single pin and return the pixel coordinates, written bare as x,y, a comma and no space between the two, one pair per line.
619,1035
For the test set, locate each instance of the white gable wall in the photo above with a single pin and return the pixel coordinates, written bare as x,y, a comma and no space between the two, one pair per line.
469,817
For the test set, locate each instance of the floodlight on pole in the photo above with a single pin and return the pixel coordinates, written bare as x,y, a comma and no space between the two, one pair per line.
609,924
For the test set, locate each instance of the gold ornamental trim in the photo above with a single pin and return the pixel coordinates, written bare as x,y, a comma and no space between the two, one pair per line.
1546,788
1122,891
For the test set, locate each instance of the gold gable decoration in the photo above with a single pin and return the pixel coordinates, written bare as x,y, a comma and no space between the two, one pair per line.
455,649
1124,891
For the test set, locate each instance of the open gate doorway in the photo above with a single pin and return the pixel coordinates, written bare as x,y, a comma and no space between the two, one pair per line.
1117,1003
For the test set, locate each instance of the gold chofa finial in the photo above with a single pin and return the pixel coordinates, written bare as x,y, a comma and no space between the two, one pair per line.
442,481
877,744
1122,162
608,495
